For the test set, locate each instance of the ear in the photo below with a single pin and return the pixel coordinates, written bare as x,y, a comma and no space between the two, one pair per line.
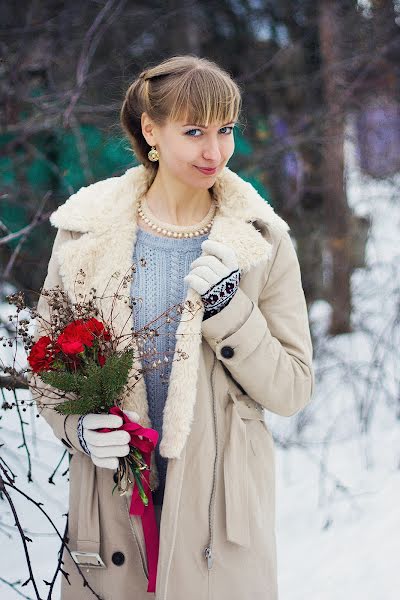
148,129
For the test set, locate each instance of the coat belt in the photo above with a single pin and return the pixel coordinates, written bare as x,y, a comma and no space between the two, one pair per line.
87,551
236,467
89,519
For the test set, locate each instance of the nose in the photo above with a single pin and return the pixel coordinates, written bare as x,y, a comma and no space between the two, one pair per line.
212,151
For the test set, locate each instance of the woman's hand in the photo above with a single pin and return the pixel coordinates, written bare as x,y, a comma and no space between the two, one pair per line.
104,448
215,276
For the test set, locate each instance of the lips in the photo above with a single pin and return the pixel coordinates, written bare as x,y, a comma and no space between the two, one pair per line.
207,171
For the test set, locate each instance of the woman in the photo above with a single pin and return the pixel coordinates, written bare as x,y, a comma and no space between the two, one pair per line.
246,347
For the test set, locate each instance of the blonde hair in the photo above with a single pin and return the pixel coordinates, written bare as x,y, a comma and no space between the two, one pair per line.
181,87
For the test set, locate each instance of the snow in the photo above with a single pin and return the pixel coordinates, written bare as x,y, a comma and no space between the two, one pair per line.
338,483
337,486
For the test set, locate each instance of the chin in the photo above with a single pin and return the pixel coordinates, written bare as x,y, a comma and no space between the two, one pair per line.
197,182
202,186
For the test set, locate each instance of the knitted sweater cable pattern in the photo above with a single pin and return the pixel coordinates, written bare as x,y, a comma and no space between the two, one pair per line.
157,286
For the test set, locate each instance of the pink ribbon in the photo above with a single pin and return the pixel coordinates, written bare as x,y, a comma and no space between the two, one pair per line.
149,523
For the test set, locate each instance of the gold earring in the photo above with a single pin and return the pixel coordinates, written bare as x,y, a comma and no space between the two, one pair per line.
153,154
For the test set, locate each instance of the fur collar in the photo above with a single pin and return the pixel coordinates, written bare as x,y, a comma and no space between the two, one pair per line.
106,212
90,209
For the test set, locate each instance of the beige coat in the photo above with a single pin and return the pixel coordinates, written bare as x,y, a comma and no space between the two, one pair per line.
217,537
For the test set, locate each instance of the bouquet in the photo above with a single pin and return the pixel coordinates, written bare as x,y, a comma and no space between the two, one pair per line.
81,360
77,352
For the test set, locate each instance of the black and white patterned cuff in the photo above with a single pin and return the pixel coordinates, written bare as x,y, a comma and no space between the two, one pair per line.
220,294
80,435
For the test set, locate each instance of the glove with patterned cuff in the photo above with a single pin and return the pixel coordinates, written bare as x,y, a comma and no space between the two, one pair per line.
215,276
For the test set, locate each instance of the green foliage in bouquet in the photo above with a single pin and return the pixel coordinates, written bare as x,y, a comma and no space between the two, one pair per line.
96,387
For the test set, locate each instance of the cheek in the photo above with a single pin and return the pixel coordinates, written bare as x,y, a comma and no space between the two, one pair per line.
181,164
185,152
231,144
228,147
178,156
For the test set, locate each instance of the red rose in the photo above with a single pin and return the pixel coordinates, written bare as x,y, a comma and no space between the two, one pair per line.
98,329
42,354
75,337
80,334
102,359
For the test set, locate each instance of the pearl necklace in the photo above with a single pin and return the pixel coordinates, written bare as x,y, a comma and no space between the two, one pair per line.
176,231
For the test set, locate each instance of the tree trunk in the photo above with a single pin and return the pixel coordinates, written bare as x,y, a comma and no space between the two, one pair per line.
336,210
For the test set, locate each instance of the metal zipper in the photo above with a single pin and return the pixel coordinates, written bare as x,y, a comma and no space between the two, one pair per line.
208,552
138,541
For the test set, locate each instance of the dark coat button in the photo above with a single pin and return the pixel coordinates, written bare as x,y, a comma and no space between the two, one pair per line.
118,558
66,443
227,351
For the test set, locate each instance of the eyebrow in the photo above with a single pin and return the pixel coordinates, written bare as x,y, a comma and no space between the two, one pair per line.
204,127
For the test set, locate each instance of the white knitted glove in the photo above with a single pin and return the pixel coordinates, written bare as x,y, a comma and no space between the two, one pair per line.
104,448
215,276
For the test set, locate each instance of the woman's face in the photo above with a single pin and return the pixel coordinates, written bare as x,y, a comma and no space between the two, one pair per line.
184,147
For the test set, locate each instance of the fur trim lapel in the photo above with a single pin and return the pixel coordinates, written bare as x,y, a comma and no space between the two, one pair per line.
90,208
106,212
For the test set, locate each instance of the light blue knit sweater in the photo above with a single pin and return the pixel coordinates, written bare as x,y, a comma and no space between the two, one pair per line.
161,264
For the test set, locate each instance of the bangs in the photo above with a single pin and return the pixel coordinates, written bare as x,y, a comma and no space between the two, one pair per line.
204,98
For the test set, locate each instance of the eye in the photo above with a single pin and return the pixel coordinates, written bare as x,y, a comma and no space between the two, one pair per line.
190,131
227,127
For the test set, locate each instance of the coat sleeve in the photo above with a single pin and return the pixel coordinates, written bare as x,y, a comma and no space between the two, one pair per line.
271,341
44,395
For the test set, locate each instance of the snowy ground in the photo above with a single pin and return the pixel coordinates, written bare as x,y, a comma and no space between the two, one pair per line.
337,515
338,521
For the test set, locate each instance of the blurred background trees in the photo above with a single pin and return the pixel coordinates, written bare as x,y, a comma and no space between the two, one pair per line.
308,69
304,66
